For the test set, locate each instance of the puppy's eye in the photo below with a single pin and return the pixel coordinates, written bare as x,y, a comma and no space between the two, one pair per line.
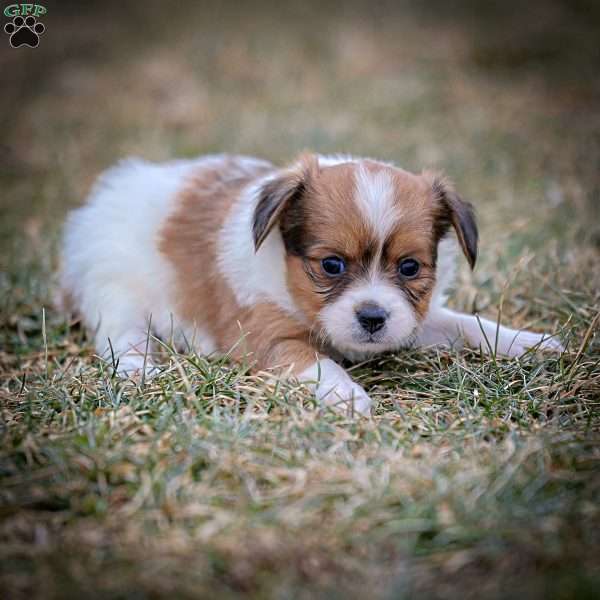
409,267
333,265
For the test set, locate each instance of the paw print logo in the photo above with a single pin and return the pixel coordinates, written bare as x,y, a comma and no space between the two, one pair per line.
24,32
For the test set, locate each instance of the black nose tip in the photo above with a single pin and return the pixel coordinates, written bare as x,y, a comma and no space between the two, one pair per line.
371,317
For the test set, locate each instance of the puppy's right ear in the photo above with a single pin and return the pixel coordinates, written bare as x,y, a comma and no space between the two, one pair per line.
278,194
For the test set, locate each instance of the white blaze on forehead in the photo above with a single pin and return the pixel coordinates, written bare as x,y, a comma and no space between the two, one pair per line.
374,196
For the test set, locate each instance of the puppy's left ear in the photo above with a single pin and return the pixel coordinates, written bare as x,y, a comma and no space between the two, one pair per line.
278,194
453,211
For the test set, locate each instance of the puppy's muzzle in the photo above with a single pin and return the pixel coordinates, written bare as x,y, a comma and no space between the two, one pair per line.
371,317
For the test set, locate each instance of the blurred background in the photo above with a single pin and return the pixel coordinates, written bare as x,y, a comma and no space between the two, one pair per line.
504,97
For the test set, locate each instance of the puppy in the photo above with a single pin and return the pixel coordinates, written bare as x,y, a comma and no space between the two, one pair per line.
293,268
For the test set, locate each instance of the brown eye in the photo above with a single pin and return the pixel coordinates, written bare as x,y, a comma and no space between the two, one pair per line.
333,265
409,268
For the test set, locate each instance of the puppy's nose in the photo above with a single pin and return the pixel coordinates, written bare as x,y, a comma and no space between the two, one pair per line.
371,317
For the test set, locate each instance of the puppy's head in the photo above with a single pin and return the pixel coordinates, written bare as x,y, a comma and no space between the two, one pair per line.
361,241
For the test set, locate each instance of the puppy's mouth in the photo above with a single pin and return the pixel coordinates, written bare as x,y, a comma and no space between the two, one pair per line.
375,342
369,339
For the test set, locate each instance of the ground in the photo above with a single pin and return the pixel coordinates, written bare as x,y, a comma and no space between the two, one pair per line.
476,477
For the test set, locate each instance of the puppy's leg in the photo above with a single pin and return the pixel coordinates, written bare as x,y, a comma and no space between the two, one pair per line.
276,340
333,386
130,350
330,382
444,327
123,338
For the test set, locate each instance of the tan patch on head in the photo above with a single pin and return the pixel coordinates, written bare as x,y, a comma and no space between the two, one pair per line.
332,215
330,225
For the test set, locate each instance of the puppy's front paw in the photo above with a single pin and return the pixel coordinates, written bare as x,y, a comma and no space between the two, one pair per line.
343,394
334,387
520,342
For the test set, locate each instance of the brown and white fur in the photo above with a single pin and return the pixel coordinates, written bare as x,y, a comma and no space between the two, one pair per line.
224,254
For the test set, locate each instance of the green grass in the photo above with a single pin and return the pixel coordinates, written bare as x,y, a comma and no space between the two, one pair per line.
474,478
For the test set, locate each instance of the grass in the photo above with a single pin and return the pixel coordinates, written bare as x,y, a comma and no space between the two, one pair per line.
475,477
